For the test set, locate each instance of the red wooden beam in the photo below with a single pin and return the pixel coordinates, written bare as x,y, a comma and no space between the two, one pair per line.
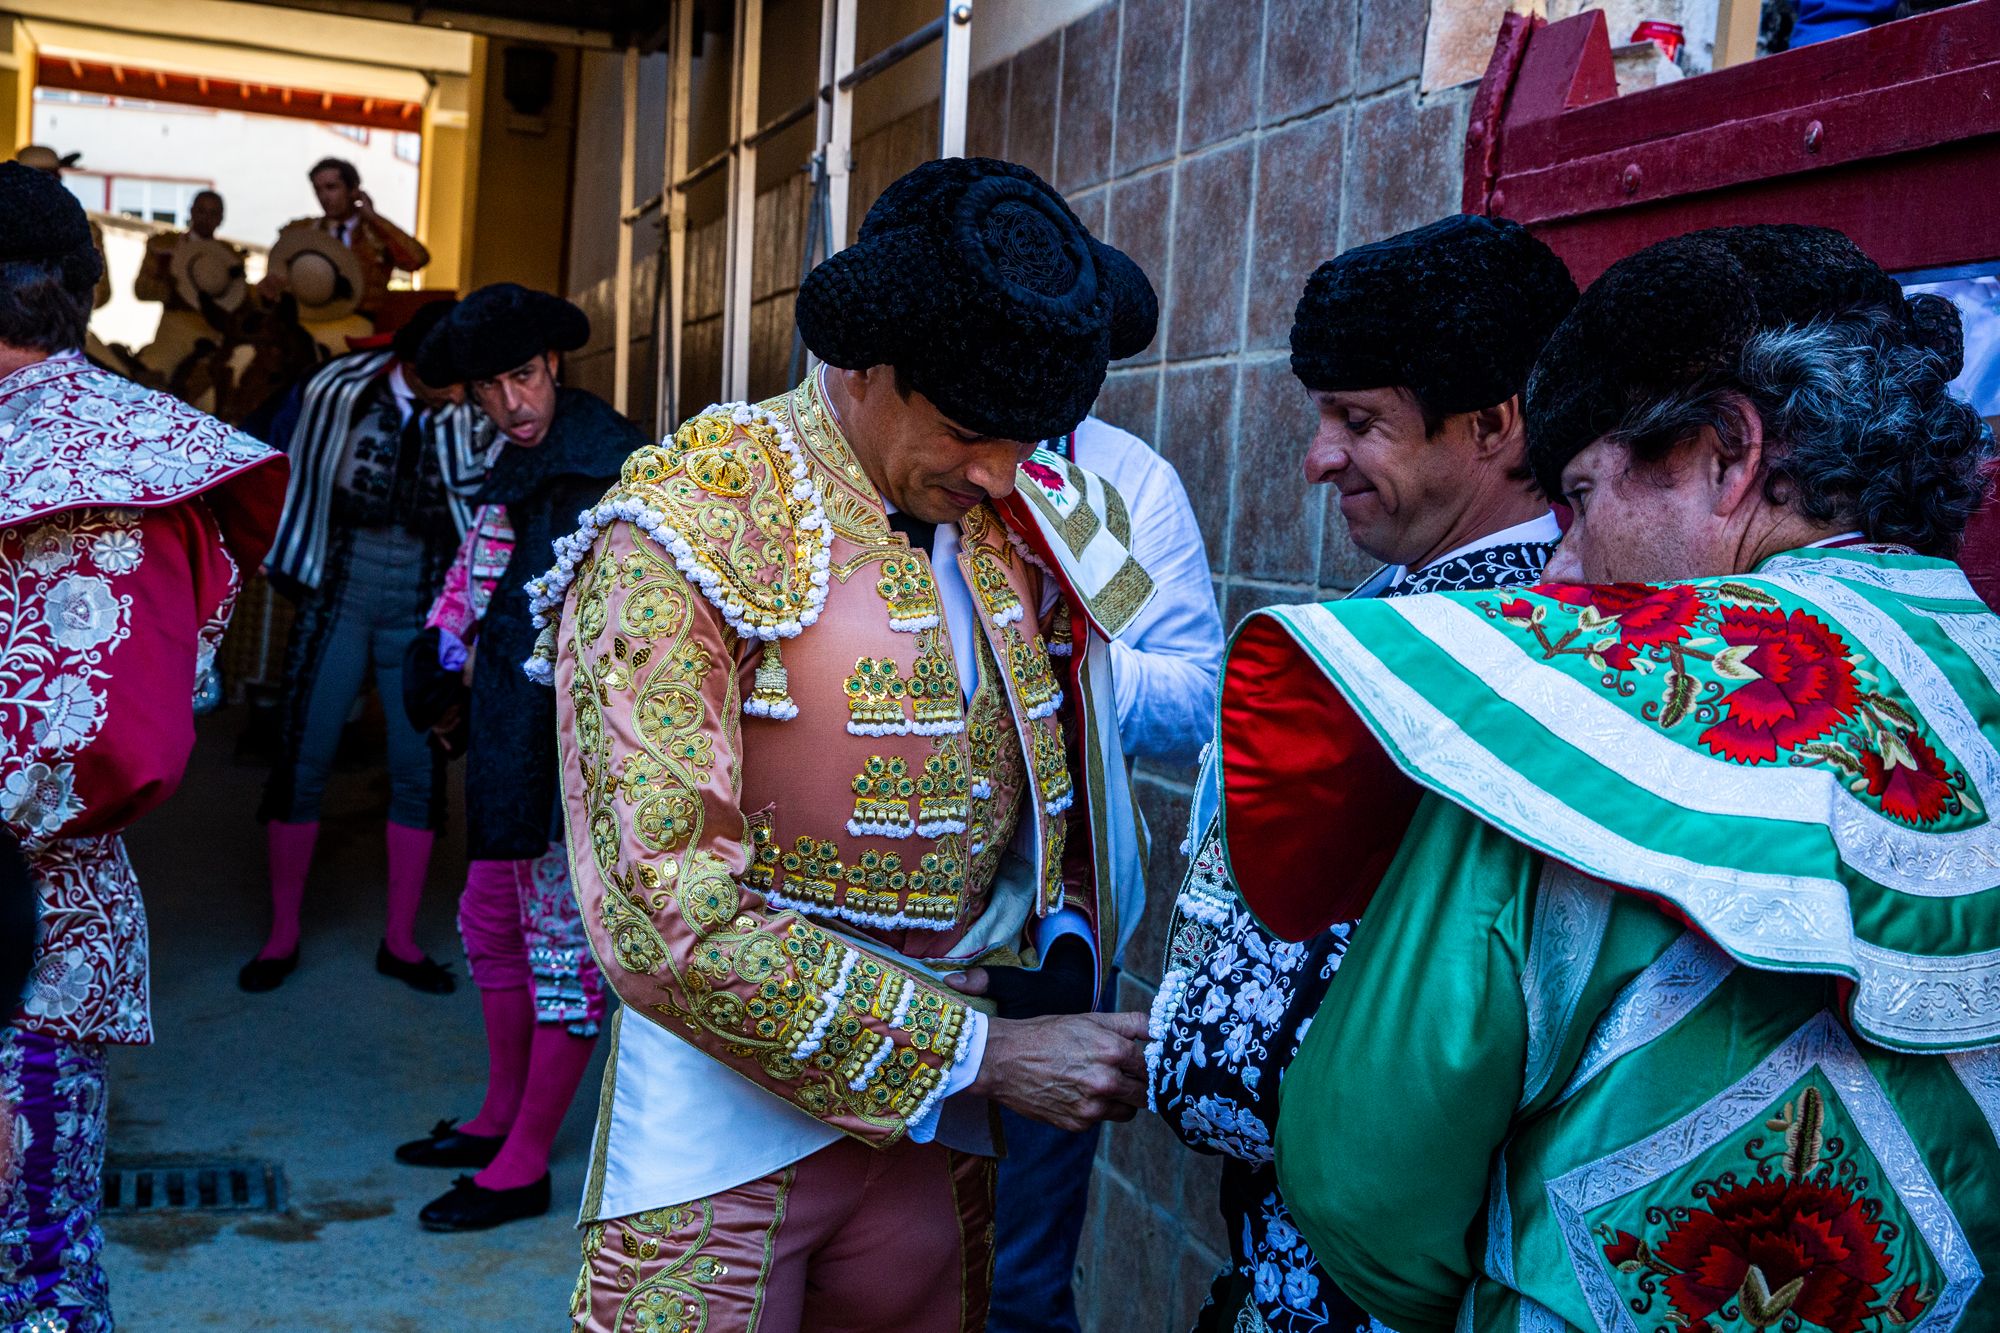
110,80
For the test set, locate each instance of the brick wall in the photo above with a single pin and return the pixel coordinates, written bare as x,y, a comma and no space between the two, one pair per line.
1229,146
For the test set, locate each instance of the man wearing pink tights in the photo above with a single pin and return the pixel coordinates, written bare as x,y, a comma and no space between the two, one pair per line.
524,941
382,462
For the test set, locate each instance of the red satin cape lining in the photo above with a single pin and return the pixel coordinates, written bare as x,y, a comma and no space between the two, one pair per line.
1313,806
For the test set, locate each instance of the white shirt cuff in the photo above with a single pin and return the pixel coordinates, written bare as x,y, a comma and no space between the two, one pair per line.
964,1069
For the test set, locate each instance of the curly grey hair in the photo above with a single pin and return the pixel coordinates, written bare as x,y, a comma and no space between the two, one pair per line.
1860,430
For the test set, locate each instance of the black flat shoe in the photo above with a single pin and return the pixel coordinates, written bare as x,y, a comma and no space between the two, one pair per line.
470,1207
426,974
262,974
447,1145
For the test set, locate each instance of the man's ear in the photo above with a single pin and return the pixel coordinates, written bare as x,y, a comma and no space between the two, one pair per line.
1734,467
555,364
860,382
1499,432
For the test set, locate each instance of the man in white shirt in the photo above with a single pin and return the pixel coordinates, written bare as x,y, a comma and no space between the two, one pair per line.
1164,669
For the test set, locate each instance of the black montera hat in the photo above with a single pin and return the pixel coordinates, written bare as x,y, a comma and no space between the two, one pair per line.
39,218
975,280
1680,311
1454,312
409,340
495,329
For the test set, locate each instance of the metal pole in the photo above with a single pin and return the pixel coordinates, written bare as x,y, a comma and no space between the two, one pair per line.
628,159
957,74
741,247
839,142
674,309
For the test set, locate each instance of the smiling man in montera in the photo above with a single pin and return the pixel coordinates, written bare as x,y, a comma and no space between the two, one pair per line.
846,809
1675,999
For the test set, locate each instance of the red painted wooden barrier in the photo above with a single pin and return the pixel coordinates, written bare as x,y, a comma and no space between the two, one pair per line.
1891,135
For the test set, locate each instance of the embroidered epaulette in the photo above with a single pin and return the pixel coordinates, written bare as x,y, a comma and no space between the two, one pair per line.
730,498
1083,523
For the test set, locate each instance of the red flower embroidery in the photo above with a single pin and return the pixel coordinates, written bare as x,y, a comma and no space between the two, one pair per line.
1805,687
1619,656
1648,617
1517,609
1625,1249
1909,1304
1914,795
1045,476
1818,1234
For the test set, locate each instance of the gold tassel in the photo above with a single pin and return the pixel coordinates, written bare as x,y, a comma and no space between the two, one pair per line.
770,695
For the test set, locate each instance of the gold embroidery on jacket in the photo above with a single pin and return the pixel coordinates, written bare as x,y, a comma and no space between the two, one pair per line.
937,700
875,694
943,791
1033,676
882,794
1052,767
851,502
774,989
909,589
726,490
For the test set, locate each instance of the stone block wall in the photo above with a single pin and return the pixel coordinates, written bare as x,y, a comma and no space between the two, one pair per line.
1229,146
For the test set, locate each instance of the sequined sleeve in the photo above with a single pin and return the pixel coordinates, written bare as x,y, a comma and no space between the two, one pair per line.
647,680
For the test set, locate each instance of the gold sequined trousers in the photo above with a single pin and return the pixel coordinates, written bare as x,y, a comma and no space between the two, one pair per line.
852,1239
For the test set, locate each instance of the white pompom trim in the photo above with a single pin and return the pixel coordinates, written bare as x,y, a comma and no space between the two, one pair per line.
859,1083
1046,708
546,592
880,920
835,997
1166,1003
861,830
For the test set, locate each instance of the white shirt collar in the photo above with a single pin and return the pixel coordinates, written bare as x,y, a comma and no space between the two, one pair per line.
1839,539
399,388
1542,528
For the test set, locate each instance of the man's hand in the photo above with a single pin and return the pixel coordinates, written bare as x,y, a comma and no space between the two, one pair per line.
364,205
1070,1070
272,285
446,724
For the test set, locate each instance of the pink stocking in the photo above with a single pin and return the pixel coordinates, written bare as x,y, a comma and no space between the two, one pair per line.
554,1069
510,1030
409,862
290,847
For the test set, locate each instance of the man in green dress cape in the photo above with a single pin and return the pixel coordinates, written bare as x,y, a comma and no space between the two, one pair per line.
1674,1007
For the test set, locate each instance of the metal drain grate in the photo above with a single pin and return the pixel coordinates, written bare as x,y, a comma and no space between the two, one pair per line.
203,1187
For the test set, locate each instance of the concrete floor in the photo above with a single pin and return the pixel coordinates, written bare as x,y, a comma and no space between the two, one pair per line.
323,1076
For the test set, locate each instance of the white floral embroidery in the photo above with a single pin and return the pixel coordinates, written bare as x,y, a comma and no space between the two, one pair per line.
49,549
117,552
73,435
62,984
81,612
71,715
40,798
